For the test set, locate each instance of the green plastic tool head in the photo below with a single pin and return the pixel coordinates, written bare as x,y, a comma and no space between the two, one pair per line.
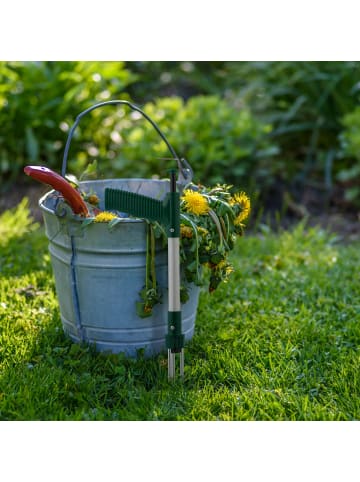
136,205
166,212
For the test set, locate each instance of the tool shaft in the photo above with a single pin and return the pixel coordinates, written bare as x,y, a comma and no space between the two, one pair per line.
174,338
182,363
171,364
174,274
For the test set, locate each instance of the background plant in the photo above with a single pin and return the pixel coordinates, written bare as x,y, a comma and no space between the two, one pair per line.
220,142
349,175
305,102
40,100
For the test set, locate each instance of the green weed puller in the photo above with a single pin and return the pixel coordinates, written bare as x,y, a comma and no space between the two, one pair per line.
167,213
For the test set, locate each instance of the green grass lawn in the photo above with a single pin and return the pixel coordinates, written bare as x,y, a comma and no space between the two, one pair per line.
280,341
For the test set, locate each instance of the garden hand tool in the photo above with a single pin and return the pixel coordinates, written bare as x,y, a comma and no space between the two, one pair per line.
167,213
59,183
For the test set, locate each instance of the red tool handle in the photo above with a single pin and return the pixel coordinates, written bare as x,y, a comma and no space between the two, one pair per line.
72,196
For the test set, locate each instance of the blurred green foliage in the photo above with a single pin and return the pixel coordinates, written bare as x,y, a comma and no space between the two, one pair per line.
309,105
271,125
40,100
220,142
184,79
350,138
305,102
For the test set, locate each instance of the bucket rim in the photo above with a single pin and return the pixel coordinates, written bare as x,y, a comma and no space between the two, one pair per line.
46,209
126,179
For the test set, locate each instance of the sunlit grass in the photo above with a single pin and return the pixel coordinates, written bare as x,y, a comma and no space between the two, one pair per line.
279,341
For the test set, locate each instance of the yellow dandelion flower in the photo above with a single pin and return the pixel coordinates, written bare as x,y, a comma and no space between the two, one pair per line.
202,230
185,231
221,265
195,202
93,199
104,217
244,202
224,267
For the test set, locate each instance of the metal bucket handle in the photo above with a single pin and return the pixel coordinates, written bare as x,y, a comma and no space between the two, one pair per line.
185,171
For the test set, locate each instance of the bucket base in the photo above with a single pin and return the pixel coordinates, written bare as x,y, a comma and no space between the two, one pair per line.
127,333
150,348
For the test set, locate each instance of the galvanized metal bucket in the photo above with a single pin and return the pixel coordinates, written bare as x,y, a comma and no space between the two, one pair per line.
99,272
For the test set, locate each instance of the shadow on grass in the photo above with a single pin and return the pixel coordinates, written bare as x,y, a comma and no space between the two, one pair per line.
45,376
